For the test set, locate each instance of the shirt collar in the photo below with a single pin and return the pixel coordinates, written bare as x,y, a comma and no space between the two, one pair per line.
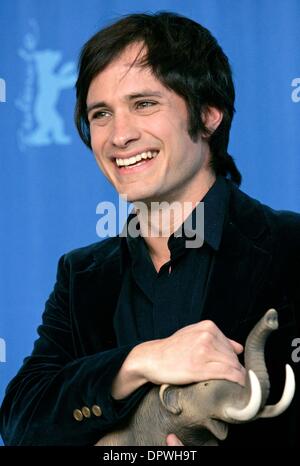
215,206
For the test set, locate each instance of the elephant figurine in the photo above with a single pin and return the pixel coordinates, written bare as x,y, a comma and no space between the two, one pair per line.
199,413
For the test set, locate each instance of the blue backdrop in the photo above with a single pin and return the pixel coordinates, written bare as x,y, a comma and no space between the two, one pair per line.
50,184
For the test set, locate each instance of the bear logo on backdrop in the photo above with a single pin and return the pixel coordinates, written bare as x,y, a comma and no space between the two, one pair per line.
46,76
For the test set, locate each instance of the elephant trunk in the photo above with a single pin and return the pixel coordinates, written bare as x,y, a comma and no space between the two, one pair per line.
254,350
255,365
254,396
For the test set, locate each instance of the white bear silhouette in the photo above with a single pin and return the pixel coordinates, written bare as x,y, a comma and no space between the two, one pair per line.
49,84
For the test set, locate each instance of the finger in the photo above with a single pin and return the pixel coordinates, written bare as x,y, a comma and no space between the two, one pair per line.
173,440
237,347
228,372
219,354
227,345
220,341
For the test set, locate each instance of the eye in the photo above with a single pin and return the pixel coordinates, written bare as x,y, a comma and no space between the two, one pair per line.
100,116
145,104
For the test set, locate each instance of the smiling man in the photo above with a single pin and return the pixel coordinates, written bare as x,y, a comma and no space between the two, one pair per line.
139,134
155,101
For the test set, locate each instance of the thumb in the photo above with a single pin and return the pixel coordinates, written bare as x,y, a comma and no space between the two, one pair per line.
173,440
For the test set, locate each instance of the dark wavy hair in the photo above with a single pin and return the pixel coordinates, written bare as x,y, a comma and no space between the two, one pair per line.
185,57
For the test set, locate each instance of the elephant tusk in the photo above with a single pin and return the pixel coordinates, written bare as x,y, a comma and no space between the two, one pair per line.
287,396
232,414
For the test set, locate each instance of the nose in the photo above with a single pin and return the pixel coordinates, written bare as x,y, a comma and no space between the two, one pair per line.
124,130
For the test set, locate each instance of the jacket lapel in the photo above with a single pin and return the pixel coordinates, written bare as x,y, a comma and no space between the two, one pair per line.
95,293
238,274
240,266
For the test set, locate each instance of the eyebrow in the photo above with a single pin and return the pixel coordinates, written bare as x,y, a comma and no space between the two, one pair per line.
129,97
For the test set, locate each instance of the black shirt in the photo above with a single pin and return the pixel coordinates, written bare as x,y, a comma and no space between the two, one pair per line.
155,304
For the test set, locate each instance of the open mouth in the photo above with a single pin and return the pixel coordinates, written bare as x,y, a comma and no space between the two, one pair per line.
136,160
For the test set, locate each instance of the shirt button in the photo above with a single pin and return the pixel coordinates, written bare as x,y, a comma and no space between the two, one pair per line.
96,410
86,411
77,414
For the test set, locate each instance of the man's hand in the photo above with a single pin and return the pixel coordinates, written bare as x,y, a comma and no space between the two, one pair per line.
194,353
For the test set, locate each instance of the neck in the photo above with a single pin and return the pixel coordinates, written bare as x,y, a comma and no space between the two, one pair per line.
158,220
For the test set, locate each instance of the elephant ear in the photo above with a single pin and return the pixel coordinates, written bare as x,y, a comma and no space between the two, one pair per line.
169,397
218,428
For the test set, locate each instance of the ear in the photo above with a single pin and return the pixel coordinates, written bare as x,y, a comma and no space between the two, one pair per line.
169,397
211,117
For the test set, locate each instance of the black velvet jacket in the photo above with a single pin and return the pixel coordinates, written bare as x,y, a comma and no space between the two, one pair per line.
76,356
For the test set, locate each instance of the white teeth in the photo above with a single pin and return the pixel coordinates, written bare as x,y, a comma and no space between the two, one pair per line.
136,158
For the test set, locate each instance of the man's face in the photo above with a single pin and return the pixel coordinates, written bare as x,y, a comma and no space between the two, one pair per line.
139,134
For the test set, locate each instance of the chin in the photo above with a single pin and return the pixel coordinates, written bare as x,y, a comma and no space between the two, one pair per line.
137,197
